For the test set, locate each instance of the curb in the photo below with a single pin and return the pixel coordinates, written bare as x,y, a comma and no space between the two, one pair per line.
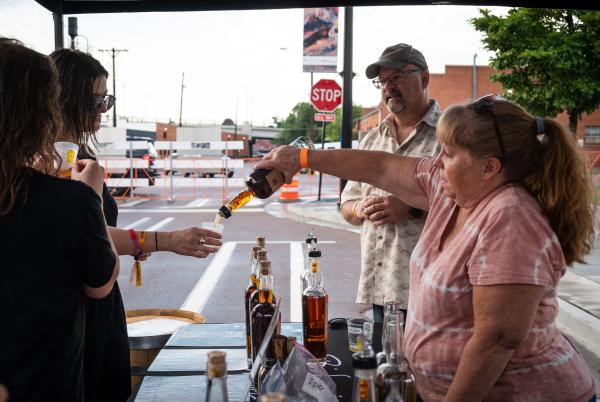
579,325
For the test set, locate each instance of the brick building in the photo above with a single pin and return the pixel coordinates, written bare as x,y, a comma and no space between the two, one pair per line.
455,85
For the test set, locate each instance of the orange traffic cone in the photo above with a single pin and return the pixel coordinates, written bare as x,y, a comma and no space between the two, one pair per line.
289,192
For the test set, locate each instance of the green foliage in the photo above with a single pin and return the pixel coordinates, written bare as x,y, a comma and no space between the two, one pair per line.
300,122
548,59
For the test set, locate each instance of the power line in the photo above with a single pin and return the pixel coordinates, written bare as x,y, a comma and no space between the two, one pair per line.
114,53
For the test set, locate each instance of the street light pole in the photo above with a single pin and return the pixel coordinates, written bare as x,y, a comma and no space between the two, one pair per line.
114,53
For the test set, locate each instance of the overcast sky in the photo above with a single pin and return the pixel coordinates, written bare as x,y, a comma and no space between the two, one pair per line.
245,60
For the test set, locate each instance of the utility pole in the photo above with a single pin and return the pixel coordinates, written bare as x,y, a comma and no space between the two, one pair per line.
114,53
181,100
348,74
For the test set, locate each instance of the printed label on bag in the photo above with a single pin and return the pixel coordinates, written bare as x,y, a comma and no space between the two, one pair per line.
316,388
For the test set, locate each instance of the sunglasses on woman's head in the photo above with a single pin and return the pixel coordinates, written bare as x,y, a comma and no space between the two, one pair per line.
107,100
486,104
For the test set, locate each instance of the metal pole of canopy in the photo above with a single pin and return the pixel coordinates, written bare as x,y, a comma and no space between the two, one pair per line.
58,31
346,134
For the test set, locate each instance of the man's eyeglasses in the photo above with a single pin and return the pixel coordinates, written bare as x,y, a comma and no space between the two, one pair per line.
485,104
394,78
107,100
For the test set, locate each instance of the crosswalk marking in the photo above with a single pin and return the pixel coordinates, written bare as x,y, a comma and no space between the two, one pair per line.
136,223
202,292
296,269
160,224
131,203
200,202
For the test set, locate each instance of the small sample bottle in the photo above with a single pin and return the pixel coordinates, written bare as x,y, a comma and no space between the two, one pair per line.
261,183
216,374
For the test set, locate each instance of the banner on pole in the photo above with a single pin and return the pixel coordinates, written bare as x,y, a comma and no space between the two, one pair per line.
320,40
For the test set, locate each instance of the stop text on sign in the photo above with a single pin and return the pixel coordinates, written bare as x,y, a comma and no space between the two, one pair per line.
326,95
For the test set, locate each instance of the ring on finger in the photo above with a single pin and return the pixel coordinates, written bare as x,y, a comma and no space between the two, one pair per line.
202,241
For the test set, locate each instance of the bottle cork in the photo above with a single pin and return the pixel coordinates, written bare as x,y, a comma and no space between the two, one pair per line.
272,397
254,252
279,345
261,254
265,267
216,365
261,241
291,343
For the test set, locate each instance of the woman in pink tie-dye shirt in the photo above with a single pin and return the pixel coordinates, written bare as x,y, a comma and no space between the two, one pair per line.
510,207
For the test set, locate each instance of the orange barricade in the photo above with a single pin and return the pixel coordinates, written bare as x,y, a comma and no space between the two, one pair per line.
289,192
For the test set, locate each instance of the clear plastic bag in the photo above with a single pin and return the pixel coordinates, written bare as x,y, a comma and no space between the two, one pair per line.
305,378
274,381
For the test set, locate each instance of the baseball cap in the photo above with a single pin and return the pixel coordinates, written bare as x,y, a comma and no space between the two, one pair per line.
396,57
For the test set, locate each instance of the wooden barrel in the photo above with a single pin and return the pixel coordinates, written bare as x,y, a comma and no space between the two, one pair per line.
149,330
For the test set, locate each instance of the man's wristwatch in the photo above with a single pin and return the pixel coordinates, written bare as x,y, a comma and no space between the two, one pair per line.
416,213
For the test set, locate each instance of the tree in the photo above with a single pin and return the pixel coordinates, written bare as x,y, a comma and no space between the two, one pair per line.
333,130
300,122
547,59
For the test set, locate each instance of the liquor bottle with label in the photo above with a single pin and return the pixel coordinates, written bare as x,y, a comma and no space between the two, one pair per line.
216,374
261,183
364,365
262,313
309,244
251,288
314,310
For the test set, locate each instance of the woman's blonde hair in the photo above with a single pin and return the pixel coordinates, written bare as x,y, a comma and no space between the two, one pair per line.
29,118
549,165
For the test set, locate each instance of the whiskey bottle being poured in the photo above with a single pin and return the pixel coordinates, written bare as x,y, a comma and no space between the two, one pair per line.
261,183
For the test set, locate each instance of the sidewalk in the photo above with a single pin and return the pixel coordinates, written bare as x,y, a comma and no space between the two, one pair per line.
579,293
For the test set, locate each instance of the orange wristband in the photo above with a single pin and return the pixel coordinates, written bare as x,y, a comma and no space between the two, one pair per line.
304,158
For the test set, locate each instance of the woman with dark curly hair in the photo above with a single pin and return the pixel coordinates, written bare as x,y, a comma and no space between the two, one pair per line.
55,250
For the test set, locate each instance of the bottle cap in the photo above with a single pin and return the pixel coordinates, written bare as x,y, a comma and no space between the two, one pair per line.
225,212
279,345
261,254
291,344
254,251
265,267
216,366
365,359
311,238
314,253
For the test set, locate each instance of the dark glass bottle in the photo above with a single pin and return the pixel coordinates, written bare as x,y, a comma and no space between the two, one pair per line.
264,266
261,183
314,310
216,374
261,316
249,290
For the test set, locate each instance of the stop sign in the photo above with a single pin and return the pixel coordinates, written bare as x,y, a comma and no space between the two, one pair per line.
326,95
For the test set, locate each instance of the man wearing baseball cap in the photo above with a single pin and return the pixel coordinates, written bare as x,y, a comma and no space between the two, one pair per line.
390,228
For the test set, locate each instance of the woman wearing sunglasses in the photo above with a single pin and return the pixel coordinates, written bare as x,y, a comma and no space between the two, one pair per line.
54,246
83,101
510,207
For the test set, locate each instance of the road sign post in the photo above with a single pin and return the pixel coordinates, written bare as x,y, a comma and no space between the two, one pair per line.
325,96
